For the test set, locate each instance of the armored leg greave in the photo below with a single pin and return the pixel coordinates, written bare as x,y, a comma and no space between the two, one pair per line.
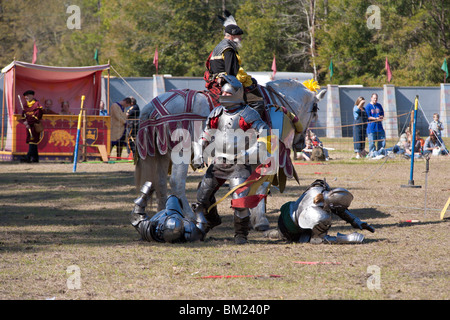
138,218
241,229
258,214
138,213
205,198
239,212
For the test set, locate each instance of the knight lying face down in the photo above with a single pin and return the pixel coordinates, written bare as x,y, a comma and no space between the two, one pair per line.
309,218
169,225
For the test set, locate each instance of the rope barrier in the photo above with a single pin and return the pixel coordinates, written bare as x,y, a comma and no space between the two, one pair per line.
146,102
359,124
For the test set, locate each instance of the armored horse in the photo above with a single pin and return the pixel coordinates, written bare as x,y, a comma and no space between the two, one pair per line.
172,121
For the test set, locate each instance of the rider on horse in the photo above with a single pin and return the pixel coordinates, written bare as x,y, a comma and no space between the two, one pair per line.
225,60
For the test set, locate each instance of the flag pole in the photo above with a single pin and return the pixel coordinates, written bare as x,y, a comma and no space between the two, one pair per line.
444,68
331,70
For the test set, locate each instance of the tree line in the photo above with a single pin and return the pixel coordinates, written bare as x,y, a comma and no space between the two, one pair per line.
304,36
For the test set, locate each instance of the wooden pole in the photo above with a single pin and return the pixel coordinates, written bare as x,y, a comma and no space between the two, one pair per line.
14,87
3,114
109,76
84,134
411,121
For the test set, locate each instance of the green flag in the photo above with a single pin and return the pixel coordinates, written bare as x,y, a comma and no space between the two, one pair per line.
96,55
331,68
445,67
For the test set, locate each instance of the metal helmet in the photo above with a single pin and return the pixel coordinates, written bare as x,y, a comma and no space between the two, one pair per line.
338,198
173,229
235,88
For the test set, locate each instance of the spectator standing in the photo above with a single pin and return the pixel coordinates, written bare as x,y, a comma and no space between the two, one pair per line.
359,128
437,126
31,115
118,124
133,114
375,130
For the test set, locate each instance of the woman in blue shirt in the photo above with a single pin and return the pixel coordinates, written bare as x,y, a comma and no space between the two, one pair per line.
359,127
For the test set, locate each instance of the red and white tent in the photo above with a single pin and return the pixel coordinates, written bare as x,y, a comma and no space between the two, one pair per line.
56,83
59,84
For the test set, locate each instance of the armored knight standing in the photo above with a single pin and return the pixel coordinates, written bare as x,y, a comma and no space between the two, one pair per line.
226,134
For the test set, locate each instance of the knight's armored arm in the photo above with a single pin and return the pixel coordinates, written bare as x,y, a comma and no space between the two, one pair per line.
354,220
262,147
199,147
198,161
196,230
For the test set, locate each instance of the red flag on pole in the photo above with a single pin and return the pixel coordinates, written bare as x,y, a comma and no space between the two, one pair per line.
35,51
388,70
155,60
274,67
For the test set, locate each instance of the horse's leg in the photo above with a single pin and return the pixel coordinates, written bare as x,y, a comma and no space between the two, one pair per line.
160,172
178,186
155,170
142,173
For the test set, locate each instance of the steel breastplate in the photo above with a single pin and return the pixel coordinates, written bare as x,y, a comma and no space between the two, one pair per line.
308,214
230,140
